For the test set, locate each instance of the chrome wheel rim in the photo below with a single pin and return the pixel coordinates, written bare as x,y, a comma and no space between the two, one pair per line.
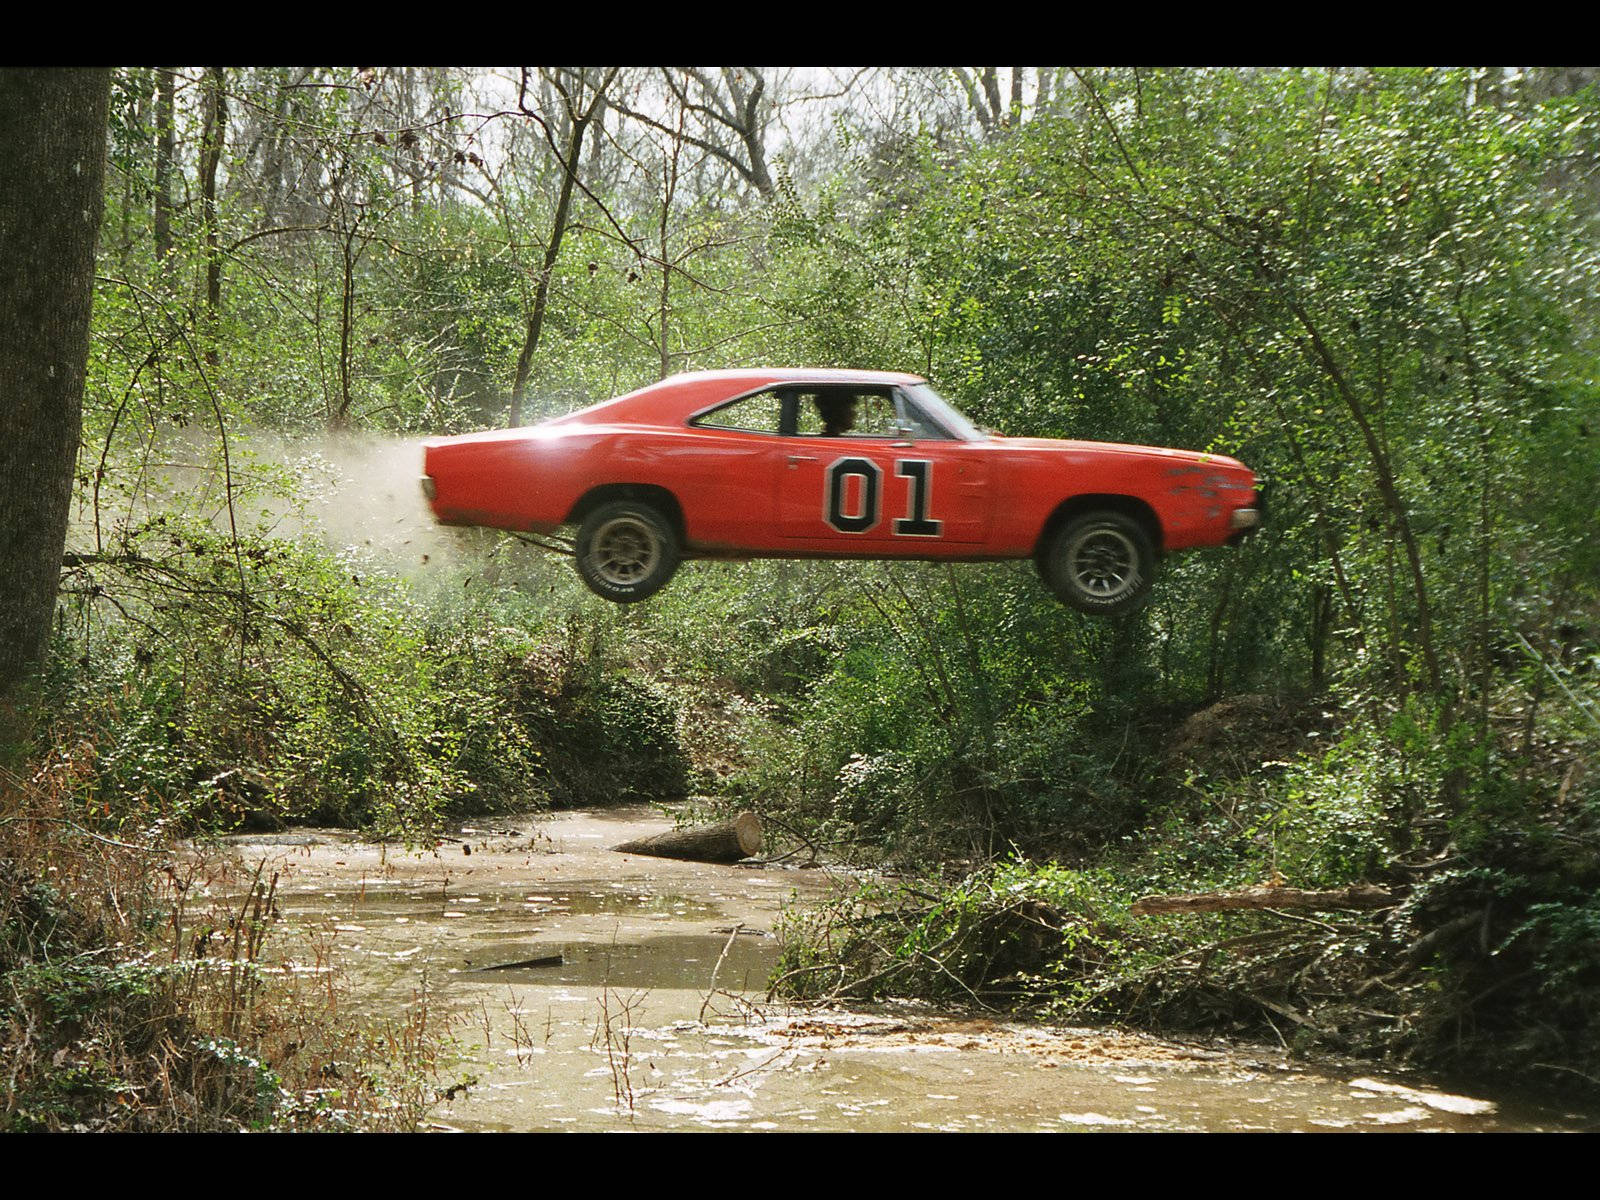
626,550
1103,563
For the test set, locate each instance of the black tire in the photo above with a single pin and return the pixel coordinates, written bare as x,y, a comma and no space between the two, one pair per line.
1101,563
626,551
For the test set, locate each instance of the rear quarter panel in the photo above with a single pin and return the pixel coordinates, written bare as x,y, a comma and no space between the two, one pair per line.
532,479
525,479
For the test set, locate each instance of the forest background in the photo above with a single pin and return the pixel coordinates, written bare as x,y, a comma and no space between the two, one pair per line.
1375,287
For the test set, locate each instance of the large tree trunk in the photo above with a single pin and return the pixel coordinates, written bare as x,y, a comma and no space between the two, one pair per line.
52,175
724,842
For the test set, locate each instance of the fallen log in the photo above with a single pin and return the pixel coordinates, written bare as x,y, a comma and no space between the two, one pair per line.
544,960
724,842
1361,895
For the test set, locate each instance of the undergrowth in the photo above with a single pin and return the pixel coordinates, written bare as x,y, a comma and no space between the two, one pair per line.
1482,963
216,686
140,993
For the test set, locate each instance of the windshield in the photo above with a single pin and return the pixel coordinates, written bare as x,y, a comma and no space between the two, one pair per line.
935,406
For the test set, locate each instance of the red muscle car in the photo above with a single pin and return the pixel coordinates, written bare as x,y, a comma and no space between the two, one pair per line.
834,464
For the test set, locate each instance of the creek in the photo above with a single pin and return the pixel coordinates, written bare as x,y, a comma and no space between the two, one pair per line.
590,990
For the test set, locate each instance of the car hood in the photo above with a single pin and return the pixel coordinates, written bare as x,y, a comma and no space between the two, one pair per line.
1197,458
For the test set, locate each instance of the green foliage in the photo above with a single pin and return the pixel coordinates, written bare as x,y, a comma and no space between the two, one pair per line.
1348,812
260,681
133,1005
609,740
1566,935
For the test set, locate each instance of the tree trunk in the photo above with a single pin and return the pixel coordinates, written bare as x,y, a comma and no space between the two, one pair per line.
1317,634
552,251
213,133
724,842
1388,489
52,144
751,128
347,316
165,145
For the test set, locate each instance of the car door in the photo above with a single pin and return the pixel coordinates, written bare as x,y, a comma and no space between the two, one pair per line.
891,483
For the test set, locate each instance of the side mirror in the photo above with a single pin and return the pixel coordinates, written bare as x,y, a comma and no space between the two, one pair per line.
905,435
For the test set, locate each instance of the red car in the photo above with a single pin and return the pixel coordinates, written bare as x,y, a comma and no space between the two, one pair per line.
834,464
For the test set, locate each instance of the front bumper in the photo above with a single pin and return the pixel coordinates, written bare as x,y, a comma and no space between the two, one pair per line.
1245,521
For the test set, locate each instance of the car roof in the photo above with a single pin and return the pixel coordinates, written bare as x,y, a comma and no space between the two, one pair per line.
756,376
675,397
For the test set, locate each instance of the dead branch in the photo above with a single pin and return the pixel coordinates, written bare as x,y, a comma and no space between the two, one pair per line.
1357,896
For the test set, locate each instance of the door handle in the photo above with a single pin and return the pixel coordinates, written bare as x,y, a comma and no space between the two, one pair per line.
800,458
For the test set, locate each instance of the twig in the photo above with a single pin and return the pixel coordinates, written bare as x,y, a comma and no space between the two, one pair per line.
1285,1010
726,946
1561,683
1569,1070
553,546
727,1079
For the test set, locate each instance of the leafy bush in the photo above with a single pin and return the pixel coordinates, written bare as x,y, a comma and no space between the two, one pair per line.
607,739
1013,933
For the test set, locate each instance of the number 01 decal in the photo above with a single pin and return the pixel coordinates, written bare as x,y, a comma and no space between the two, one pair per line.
916,522
856,509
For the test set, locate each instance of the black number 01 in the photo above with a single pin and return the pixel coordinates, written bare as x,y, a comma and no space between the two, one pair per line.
916,522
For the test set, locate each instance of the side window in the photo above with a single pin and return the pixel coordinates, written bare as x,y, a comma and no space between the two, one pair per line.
808,407
844,412
761,413
875,415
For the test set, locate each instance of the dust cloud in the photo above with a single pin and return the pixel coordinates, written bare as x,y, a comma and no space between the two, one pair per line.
355,492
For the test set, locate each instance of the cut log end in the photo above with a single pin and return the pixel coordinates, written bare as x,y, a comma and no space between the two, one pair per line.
722,842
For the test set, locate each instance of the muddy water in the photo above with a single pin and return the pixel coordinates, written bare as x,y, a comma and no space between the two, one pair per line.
598,991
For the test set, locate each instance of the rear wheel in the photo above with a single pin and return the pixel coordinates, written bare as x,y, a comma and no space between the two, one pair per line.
1101,563
626,551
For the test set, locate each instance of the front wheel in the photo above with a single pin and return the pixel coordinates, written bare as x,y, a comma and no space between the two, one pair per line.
626,551
1101,563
